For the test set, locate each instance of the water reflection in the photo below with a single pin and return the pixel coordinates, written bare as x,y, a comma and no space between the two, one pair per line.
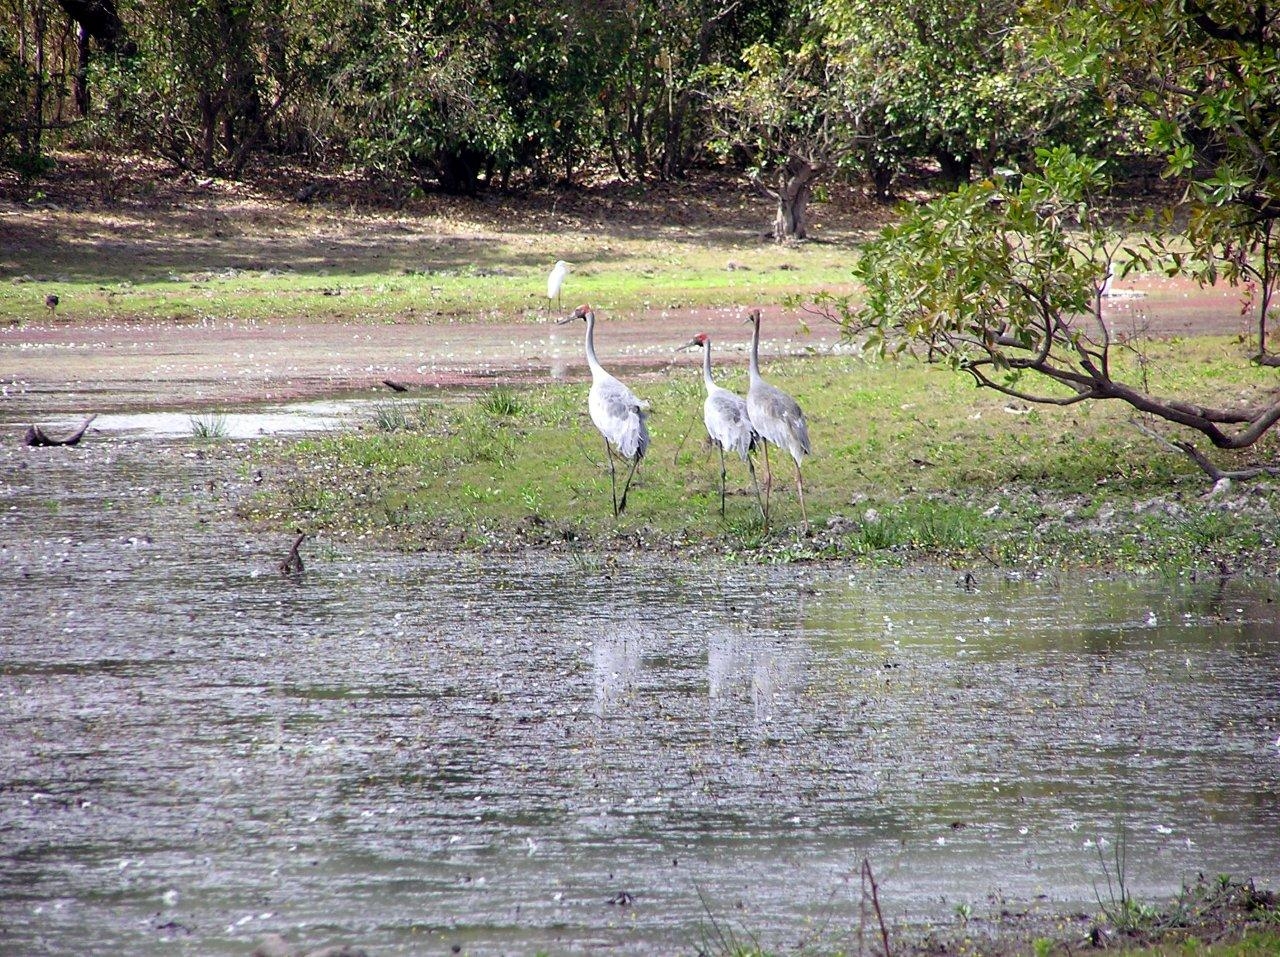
416,752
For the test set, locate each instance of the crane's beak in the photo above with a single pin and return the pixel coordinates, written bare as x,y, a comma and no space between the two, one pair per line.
561,322
689,345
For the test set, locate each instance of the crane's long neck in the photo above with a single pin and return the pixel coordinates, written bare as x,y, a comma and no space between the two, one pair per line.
706,364
597,369
754,368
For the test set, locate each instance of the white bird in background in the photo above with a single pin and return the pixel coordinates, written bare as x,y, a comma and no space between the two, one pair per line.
554,281
728,424
616,412
778,420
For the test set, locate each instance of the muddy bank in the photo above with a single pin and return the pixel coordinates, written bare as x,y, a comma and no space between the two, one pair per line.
53,369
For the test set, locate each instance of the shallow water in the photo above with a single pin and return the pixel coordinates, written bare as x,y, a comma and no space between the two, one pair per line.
247,422
417,752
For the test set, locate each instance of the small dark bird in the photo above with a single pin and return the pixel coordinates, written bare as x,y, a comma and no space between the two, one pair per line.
51,303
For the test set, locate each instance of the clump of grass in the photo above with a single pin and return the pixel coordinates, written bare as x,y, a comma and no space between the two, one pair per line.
208,425
501,402
390,417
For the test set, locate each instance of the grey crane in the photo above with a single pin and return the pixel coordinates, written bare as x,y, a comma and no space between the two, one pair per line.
616,412
726,419
777,419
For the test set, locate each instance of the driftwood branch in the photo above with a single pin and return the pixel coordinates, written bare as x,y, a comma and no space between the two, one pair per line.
38,438
292,565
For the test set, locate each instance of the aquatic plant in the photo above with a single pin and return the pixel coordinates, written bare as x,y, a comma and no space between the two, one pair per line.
209,425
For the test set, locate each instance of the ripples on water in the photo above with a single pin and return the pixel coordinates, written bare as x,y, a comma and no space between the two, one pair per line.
415,752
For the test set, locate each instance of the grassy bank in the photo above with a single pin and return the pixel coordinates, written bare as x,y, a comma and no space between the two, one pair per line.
1213,917
910,462
155,247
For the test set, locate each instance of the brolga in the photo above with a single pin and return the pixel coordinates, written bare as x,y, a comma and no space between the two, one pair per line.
777,419
616,412
555,280
726,419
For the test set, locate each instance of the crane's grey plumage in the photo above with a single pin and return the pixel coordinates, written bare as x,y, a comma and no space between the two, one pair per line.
728,424
556,280
616,412
778,420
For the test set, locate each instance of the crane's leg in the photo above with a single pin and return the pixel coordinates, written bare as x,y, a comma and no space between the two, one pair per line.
768,483
613,479
756,482
800,490
722,479
627,485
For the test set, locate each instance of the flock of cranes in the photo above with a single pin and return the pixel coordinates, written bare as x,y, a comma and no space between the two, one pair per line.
767,416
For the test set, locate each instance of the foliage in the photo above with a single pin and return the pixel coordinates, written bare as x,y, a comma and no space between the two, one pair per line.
1004,280
210,81
457,95
453,94
1207,80
956,81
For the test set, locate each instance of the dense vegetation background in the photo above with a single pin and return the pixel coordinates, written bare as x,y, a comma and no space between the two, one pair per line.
460,96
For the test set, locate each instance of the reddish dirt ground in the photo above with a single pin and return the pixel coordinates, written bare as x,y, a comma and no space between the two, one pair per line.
55,367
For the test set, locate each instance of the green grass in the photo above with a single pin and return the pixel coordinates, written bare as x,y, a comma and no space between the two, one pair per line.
909,461
379,276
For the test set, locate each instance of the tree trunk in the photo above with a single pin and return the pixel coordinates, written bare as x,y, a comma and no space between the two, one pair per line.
956,170
209,108
795,189
40,19
80,84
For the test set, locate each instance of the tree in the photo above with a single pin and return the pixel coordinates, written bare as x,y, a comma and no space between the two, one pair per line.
950,80
1004,281
210,78
454,93
779,117
1207,79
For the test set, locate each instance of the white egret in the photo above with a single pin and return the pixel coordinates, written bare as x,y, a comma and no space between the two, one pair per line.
555,281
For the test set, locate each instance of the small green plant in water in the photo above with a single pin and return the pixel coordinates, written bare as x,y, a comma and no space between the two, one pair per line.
1120,909
211,425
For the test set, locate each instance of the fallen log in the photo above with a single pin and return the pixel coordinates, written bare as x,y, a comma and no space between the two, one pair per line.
292,565
38,438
